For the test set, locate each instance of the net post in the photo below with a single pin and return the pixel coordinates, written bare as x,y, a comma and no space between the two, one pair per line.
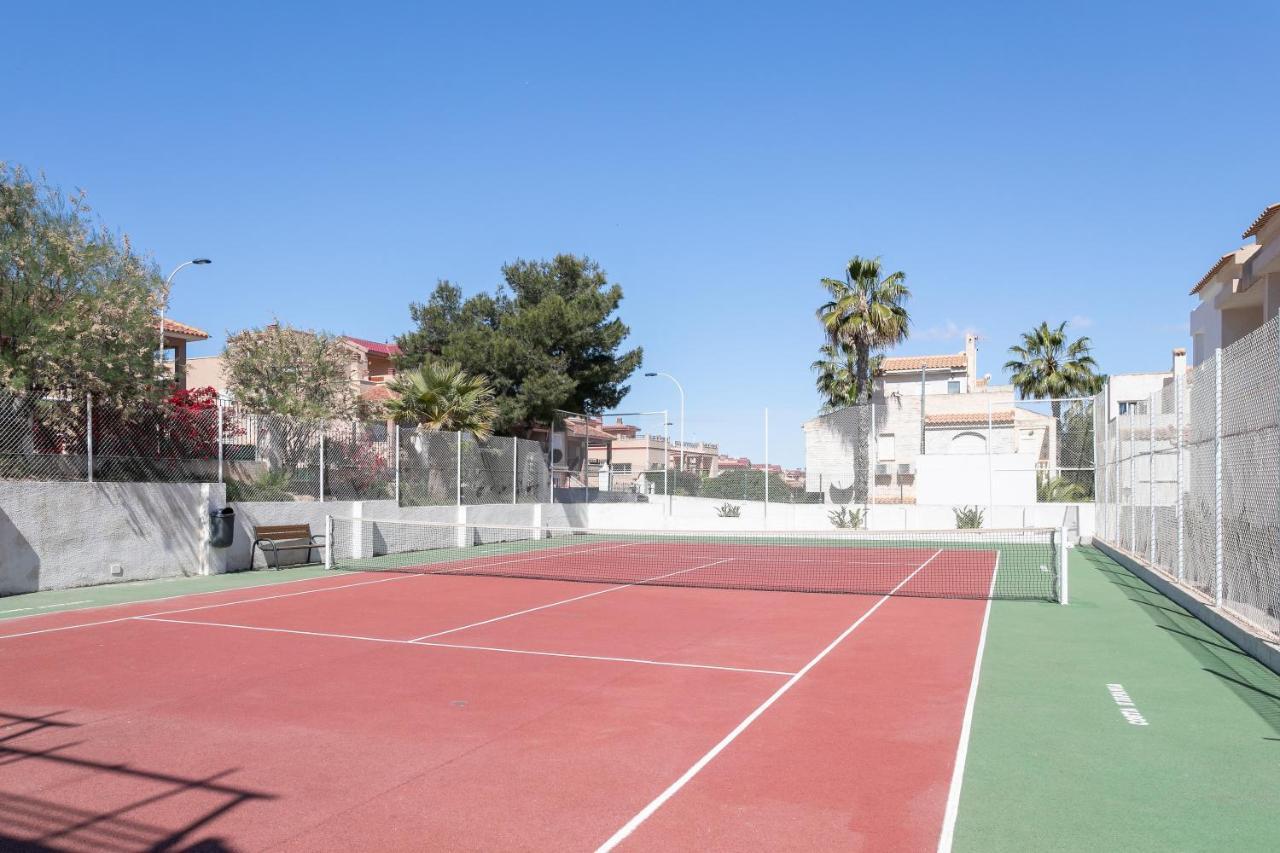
515,467
328,541
219,438
88,415
1064,573
1217,477
457,464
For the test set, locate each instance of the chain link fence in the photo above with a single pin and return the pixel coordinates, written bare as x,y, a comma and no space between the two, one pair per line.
265,457
1191,480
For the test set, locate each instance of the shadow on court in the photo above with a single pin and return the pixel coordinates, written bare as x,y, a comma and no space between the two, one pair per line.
32,823
1257,686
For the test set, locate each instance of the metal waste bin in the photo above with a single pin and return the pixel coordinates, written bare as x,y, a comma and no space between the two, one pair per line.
222,527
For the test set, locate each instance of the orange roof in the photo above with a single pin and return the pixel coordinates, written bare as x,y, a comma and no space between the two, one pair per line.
378,394
1261,222
1003,416
917,362
388,350
173,327
576,427
1213,271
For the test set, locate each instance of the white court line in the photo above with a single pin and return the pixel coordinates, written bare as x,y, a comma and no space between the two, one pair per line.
204,606
658,801
561,553
566,601
395,642
46,606
962,749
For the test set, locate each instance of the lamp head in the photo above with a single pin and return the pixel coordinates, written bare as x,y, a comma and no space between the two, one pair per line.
201,261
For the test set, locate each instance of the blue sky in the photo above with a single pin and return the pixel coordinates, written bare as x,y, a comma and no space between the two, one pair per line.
1083,163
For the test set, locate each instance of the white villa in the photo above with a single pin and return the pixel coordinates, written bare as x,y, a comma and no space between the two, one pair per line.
1240,291
934,420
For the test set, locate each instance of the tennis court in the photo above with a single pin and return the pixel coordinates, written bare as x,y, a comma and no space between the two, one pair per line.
469,687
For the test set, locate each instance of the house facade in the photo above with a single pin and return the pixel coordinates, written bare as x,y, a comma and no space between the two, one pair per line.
371,366
1241,291
929,418
621,463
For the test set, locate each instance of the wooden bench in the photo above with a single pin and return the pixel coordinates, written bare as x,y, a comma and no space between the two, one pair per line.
271,539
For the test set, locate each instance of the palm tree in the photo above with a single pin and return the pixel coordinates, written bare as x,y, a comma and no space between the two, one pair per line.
837,376
1046,365
865,313
441,396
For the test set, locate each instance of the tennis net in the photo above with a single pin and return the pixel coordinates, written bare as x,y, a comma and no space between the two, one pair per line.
1004,564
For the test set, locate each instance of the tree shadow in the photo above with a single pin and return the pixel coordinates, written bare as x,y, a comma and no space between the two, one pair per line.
36,823
1255,685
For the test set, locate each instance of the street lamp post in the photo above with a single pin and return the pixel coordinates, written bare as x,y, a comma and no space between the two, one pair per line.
679,388
167,282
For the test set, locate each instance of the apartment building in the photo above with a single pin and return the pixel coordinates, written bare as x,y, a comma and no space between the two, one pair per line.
1241,291
620,463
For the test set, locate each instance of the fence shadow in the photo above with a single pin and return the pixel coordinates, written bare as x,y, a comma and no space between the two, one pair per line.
39,823
19,562
1257,686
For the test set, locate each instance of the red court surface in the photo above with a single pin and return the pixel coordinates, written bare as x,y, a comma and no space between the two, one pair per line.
410,712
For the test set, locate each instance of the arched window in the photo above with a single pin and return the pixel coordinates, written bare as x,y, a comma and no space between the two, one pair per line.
969,442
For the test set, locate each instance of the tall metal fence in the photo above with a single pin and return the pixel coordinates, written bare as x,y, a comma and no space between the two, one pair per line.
1190,478
263,457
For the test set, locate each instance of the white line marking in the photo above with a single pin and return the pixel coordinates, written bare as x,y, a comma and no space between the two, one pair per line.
204,606
395,642
657,803
962,749
605,658
46,606
283,595
556,553
565,601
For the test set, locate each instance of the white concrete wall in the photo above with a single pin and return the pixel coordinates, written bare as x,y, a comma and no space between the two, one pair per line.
700,514
958,480
60,535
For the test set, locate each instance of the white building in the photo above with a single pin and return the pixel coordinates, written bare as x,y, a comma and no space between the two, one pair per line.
1240,291
942,435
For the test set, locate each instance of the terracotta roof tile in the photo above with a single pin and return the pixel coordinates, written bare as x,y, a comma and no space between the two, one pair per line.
176,328
1002,416
916,362
1261,222
378,394
373,346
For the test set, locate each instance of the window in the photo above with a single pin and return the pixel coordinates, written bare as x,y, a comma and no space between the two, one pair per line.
1127,406
953,387
621,467
884,447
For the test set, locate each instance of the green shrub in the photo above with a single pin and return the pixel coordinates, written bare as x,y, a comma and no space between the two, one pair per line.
271,486
968,517
848,519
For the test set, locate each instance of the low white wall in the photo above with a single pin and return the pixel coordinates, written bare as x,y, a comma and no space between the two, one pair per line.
700,514
60,535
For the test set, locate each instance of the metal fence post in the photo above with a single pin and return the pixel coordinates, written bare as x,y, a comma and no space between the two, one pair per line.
322,431
457,480
88,408
1133,485
1217,477
766,467
395,449
991,482
873,452
220,426
515,467
1179,386
1151,477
